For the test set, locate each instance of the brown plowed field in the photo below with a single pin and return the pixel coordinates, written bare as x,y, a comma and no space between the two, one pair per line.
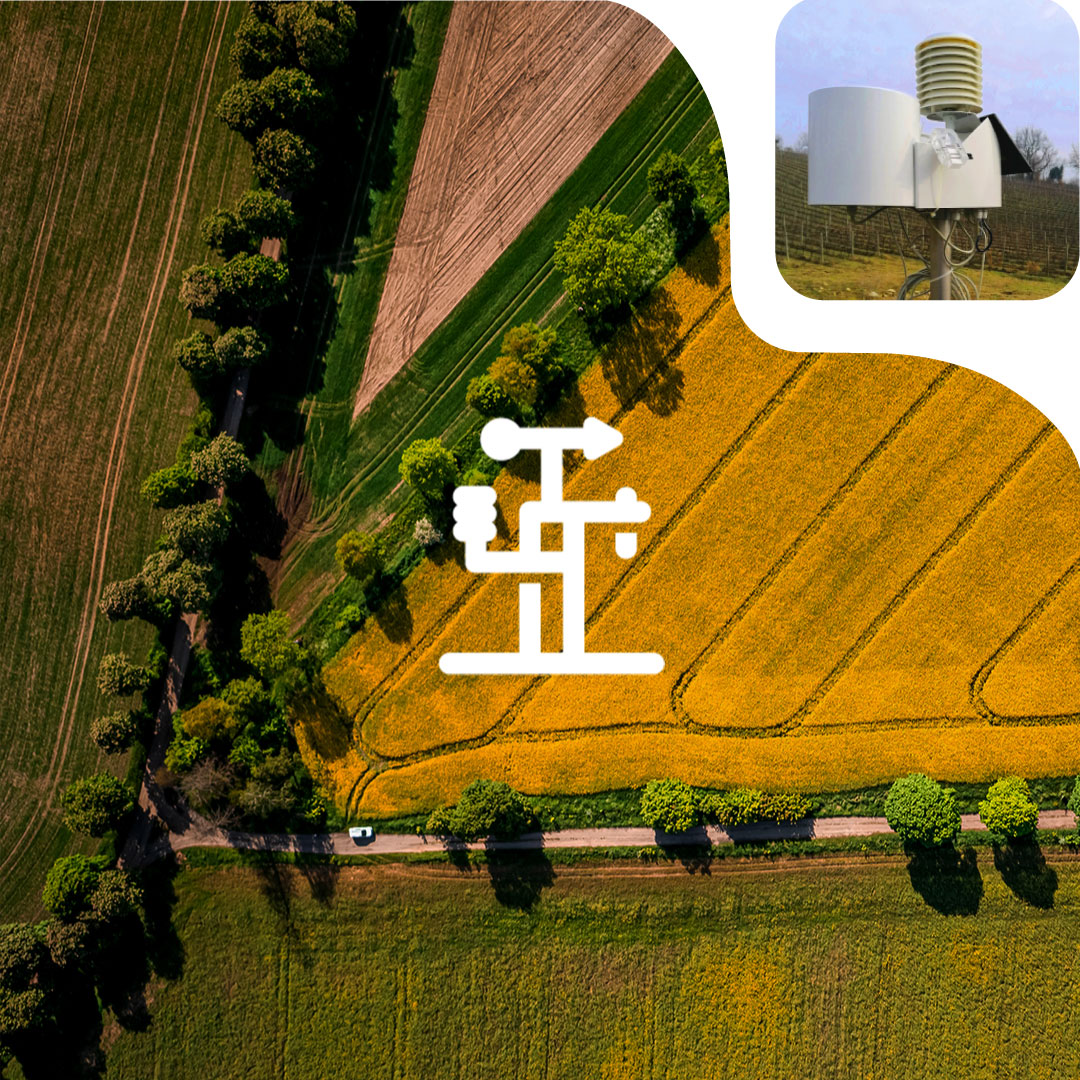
523,93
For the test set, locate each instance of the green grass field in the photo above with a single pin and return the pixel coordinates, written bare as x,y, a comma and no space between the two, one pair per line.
111,155
351,469
877,277
826,968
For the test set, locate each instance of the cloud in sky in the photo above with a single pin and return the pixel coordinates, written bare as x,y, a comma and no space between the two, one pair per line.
1031,60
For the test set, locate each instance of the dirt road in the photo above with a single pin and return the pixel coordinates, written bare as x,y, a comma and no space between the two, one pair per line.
199,835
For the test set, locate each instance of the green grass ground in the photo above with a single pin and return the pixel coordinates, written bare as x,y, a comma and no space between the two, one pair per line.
351,470
861,277
111,157
837,967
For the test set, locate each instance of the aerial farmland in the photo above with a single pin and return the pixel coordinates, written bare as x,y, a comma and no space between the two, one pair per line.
281,283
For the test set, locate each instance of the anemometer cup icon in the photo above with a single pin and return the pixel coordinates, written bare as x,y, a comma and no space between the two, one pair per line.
474,525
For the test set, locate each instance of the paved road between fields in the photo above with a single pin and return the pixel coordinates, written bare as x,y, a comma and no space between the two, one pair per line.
401,844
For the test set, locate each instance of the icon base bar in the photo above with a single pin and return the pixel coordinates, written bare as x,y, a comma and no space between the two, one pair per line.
501,663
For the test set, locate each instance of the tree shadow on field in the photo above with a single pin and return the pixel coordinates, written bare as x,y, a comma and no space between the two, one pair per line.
703,262
1023,868
947,879
317,870
275,880
519,877
637,362
692,849
393,616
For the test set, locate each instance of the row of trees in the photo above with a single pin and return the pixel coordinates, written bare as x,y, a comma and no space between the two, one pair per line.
282,99
918,809
674,806
605,263
923,812
232,753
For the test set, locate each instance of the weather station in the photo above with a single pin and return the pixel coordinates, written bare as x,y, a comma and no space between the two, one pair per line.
868,152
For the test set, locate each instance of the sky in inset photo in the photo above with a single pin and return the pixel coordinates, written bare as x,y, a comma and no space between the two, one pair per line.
1029,56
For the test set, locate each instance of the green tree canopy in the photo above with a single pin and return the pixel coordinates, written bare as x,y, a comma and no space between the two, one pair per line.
922,812
538,347
670,181
240,346
669,805
291,99
115,896
258,47
200,291
223,231
221,463
115,732
248,699
488,398
267,645
197,531
320,32
262,213
243,108
602,260
486,808
740,806
1074,800
283,161
127,599
69,943
209,719
428,468
360,555
23,1001
69,884
195,354
176,582
118,675
516,379
95,804
672,186
1009,811
271,790
253,283
170,487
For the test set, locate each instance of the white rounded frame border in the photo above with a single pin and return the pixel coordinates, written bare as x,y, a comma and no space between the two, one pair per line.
732,49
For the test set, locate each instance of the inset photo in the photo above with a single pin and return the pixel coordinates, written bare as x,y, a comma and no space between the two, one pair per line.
927,155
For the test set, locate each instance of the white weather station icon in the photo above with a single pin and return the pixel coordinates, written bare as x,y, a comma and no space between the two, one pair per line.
474,517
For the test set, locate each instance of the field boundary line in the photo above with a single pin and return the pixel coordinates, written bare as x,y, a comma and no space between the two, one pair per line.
849,484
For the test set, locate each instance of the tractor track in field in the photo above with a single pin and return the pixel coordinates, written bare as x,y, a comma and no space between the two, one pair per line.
121,430
57,180
811,529
982,676
947,545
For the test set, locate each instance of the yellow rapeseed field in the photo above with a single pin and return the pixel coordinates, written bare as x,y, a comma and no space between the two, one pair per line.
855,566
606,761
